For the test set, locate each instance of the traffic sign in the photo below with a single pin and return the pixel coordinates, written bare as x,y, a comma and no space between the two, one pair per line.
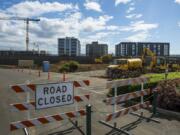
51,95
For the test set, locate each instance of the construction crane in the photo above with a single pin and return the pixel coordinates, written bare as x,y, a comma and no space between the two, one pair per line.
27,20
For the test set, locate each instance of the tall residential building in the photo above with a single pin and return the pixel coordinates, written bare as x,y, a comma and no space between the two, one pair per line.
96,50
136,48
69,46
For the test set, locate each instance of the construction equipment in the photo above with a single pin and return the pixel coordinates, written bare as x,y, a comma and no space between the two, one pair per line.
27,20
134,67
148,63
125,68
173,64
104,59
153,63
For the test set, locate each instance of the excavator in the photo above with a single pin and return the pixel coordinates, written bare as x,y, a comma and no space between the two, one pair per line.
134,67
153,63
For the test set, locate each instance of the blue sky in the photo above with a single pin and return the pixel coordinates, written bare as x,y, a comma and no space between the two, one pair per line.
106,21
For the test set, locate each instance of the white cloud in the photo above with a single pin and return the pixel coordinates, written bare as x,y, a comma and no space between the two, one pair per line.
177,1
134,16
132,4
91,24
92,5
139,26
36,8
141,29
117,2
54,28
102,35
179,24
46,32
130,9
141,36
112,27
74,23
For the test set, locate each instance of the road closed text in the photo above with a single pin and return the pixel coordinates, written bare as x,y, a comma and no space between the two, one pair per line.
49,95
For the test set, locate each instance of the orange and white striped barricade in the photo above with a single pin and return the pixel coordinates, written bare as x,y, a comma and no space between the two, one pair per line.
124,97
32,105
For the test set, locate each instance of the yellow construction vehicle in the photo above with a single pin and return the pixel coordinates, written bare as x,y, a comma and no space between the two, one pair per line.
153,63
125,68
134,67
173,64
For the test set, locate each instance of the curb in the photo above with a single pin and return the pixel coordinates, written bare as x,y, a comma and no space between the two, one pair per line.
169,113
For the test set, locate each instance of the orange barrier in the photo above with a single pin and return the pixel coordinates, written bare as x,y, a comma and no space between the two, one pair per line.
48,75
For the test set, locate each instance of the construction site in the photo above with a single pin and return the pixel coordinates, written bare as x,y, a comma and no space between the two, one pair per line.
67,69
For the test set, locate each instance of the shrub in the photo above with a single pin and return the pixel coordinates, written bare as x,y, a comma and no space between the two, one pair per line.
64,68
73,66
70,66
131,88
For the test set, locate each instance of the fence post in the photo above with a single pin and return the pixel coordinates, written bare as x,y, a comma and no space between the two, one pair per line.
88,119
115,95
155,102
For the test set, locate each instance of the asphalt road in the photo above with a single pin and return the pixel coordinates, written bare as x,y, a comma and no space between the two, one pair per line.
168,126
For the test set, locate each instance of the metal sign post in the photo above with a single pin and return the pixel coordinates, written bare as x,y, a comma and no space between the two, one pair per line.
88,119
142,88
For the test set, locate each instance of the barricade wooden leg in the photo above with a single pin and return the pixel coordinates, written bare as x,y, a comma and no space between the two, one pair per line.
115,128
25,131
76,126
147,118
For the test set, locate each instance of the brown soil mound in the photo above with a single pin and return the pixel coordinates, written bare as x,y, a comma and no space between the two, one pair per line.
169,97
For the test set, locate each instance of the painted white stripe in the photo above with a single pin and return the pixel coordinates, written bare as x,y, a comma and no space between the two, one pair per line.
123,97
50,119
25,88
35,122
82,83
117,83
85,99
19,125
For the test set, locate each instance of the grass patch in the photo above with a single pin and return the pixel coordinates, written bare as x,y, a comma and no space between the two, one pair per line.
159,77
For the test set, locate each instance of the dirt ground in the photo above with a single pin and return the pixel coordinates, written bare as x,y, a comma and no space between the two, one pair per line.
97,90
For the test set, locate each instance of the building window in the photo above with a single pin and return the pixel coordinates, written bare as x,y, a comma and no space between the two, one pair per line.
154,49
165,49
123,50
159,49
133,50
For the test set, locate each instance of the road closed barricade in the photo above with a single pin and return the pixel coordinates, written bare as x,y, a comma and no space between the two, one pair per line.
47,96
118,99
